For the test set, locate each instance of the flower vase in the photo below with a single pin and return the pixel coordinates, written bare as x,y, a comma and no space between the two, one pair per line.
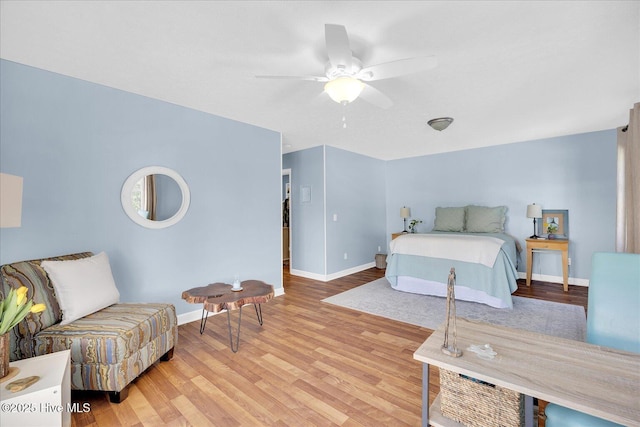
4,355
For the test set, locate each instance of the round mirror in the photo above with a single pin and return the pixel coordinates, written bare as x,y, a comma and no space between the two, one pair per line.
155,197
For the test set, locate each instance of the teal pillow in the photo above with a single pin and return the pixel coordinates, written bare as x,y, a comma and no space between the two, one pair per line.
483,219
449,219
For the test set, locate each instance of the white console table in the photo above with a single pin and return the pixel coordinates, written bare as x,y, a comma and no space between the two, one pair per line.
599,381
44,403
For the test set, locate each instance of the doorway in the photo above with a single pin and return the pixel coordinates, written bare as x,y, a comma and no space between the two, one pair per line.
286,218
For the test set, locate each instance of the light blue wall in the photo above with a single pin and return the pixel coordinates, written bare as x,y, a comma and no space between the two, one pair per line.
356,194
345,184
348,185
307,217
76,142
576,172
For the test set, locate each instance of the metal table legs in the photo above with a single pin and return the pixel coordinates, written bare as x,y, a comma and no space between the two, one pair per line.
234,348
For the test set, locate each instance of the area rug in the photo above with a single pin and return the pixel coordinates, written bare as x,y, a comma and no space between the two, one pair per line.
379,298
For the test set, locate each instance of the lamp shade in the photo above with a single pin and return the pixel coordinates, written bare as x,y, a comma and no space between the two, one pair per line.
344,89
10,200
534,211
405,212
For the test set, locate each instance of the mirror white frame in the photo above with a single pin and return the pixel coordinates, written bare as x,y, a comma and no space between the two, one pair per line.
125,196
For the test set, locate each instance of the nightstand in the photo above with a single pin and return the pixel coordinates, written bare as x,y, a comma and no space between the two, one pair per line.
394,235
45,403
561,245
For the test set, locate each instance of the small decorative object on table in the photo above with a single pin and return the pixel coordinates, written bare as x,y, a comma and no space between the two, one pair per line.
21,384
236,287
555,224
451,349
13,309
5,370
412,225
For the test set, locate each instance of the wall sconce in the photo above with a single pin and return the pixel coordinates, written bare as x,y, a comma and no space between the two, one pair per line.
405,213
534,211
10,200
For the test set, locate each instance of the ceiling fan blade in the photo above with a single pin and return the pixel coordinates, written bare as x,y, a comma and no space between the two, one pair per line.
338,48
310,78
375,97
398,68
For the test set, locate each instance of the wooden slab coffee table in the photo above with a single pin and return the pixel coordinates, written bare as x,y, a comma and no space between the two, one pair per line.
220,296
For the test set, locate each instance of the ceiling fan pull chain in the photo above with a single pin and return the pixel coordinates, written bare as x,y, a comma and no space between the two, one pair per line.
344,114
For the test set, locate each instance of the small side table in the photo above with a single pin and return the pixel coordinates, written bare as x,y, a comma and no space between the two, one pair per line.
561,245
45,403
220,296
394,235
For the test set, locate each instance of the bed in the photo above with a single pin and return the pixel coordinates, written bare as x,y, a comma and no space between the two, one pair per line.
485,260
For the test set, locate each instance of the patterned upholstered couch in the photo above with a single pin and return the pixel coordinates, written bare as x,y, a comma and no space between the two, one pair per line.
109,348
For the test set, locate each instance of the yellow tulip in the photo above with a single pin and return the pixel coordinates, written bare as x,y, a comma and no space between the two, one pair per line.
37,308
21,295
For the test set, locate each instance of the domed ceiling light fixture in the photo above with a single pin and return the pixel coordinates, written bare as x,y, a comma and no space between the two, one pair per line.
440,123
344,90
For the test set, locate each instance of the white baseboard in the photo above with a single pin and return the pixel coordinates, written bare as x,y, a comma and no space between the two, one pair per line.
555,279
351,271
332,276
192,316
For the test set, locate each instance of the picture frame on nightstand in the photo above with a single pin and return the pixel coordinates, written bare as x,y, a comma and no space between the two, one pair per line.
556,218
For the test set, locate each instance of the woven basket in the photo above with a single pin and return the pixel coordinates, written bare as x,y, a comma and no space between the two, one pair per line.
381,261
479,404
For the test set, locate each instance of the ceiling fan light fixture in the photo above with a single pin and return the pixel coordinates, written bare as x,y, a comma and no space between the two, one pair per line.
344,89
441,123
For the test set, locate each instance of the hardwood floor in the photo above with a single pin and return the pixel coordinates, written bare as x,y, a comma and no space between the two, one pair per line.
310,364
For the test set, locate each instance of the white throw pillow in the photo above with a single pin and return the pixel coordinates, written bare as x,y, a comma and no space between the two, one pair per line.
82,286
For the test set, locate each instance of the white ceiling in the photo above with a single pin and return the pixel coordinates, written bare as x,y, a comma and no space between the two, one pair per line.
508,71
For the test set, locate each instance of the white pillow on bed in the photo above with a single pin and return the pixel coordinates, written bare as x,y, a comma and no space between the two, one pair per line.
83,286
449,219
483,219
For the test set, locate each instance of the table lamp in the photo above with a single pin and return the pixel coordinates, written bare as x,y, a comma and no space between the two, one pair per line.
10,200
534,211
405,213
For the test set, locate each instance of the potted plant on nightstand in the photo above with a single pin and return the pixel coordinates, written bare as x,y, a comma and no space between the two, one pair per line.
412,225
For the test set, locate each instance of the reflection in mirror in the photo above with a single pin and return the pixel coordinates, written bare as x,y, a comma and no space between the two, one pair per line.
155,197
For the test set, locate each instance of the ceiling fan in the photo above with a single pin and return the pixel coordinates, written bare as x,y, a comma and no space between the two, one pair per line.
345,77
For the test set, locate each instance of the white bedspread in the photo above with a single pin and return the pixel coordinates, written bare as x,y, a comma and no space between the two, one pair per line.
475,249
